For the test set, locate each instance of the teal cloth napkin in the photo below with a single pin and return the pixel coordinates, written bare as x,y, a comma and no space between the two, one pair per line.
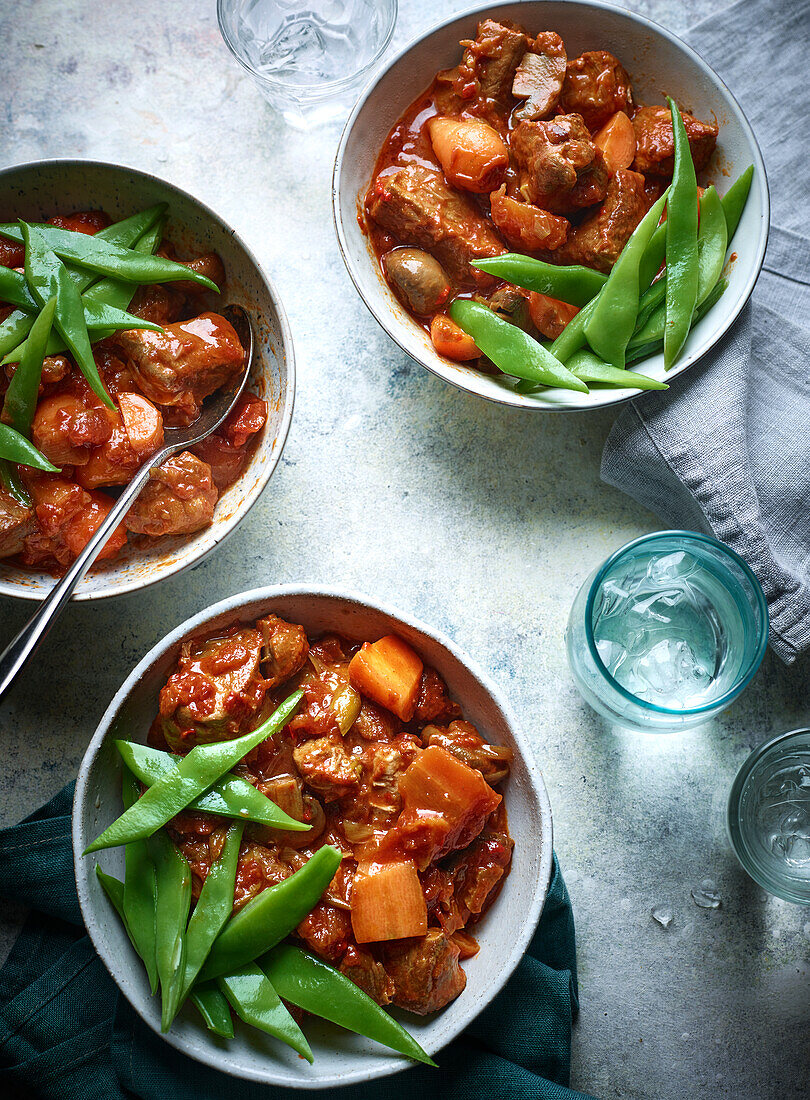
66,1034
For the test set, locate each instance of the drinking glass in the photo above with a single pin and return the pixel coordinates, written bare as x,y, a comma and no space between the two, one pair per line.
667,632
769,816
308,57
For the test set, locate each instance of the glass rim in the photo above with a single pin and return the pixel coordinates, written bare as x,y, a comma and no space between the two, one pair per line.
750,864
326,85
754,663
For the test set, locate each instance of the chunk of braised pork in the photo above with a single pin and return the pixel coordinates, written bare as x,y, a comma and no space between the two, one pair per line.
186,362
327,768
158,303
655,145
434,703
55,368
488,67
258,868
209,265
418,278
228,451
598,240
66,518
561,168
178,499
419,207
375,723
596,86
368,973
425,972
525,225
463,741
539,76
137,433
68,425
481,867
327,930
16,522
285,649
215,691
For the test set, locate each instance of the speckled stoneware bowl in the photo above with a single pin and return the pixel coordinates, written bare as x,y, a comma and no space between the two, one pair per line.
659,64
340,1057
42,188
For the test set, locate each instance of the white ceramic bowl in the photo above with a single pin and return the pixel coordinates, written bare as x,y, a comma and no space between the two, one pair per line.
340,1058
659,64
42,188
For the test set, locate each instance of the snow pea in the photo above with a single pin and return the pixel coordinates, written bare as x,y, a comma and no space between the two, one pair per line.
271,915
213,1007
123,232
214,906
48,277
23,389
230,796
613,319
253,999
105,257
712,243
641,347
114,889
12,482
311,984
572,336
195,773
585,364
16,448
140,889
574,283
511,349
173,878
682,250
735,199
14,290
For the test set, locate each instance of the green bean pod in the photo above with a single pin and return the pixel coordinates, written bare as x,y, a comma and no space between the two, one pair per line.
311,984
712,243
140,889
253,999
114,889
573,283
230,796
511,349
194,774
639,349
587,365
735,199
173,877
213,1007
572,337
14,290
682,251
23,389
12,482
613,319
16,448
271,915
214,907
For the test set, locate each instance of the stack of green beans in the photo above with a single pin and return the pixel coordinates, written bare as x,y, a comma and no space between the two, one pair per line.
217,960
74,290
638,309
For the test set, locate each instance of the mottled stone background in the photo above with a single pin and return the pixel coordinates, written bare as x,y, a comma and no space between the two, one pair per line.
482,520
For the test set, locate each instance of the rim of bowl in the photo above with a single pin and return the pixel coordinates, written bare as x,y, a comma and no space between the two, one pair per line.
7,588
325,86
750,865
756,659
537,785
515,400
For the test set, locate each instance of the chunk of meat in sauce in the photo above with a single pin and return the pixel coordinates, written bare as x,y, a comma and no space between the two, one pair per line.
258,868
479,869
419,207
526,226
157,303
178,499
285,649
55,368
539,77
83,221
598,240
228,451
655,146
185,363
596,87
425,972
216,690
209,265
434,703
200,838
69,424
137,433
67,516
483,81
368,973
16,523
327,768
561,168
327,930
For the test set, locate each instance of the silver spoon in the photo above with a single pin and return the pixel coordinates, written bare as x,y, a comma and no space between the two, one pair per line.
19,651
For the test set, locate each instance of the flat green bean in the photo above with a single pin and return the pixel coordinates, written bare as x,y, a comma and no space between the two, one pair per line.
254,1000
682,250
173,877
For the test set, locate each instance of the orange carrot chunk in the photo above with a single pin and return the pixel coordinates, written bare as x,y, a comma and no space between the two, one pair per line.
617,140
389,673
452,341
388,903
142,421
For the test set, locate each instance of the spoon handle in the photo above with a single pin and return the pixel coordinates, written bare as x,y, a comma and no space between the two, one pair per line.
21,648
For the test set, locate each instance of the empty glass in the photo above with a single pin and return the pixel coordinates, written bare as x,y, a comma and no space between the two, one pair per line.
308,57
667,632
769,816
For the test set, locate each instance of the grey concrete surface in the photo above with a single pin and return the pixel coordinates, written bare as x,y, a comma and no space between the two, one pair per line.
479,519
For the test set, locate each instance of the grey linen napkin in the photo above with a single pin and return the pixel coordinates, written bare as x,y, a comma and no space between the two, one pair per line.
726,450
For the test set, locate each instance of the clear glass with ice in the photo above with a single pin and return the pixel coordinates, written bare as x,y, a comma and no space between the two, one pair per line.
308,57
769,816
667,632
